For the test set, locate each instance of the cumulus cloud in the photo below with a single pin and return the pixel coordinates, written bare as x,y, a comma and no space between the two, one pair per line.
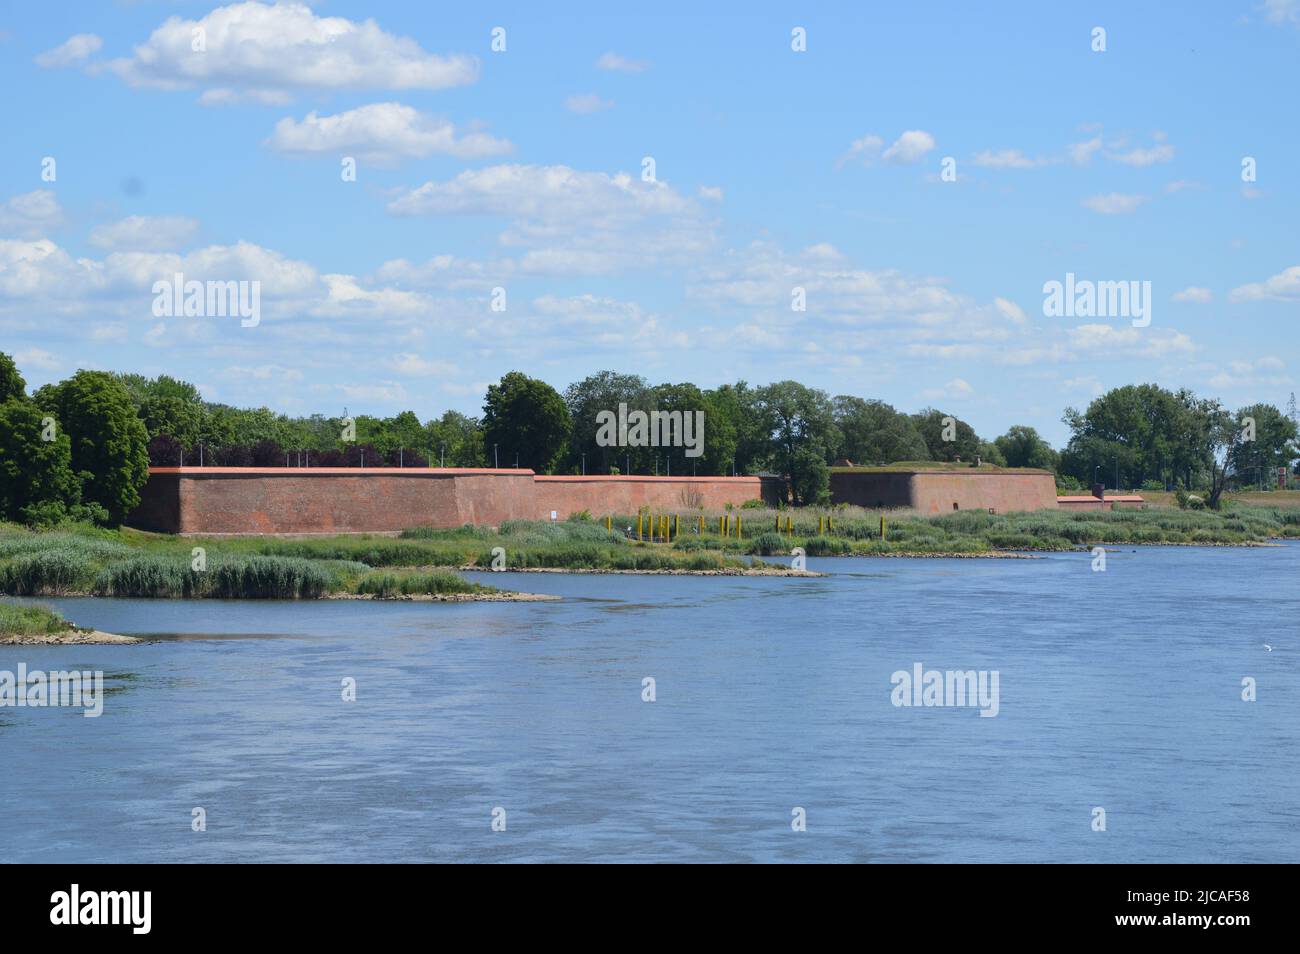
1114,203
30,214
75,49
1081,153
613,61
910,147
571,220
1144,156
145,233
266,53
586,103
1284,286
1195,295
907,149
382,133
1007,159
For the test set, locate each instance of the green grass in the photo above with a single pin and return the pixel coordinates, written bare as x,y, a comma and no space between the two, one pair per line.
127,562
30,621
435,583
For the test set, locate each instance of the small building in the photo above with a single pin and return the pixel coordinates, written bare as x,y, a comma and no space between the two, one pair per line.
944,487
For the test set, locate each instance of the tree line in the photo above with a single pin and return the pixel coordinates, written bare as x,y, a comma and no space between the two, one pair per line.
81,449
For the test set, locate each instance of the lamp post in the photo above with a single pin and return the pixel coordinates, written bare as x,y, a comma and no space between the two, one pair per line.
584,465
442,455
496,460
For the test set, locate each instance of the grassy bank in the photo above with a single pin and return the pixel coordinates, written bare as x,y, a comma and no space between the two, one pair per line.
419,561
31,621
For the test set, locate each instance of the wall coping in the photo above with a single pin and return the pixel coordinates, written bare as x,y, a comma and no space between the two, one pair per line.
335,471
619,478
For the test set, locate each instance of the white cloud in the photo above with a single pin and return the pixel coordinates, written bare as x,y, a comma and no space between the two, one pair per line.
1114,203
144,233
586,103
416,366
1285,286
867,149
1011,311
73,50
1007,159
1144,157
30,214
1194,294
1081,153
1097,340
264,52
711,193
955,390
36,358
1282,11
383,133
570,220
910,147
613,61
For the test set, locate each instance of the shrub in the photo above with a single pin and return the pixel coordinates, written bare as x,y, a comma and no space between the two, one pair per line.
769,544
439,582
50,572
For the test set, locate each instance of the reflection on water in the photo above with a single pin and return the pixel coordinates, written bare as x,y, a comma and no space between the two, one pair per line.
1119,690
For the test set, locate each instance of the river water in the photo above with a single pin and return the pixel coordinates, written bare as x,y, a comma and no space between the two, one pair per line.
1119,690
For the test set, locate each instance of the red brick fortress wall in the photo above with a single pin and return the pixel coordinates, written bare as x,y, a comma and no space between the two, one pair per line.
248,500
935,491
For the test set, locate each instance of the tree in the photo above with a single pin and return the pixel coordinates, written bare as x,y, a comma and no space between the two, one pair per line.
875,433
457,439
946,437
585,399
800,424
1021,446
108,440
526,418
1146,431
12,385
33,471
1268,441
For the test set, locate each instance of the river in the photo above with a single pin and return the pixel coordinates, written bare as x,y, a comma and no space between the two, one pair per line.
1119,690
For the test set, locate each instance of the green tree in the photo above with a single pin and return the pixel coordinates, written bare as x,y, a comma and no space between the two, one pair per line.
12,385
33,470
1146,431
1273,445
946,437
875,433
585,400
1022,446
527,420
801,424
457,438
108,439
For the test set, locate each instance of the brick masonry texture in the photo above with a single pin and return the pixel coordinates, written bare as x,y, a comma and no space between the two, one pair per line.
248,500
932,492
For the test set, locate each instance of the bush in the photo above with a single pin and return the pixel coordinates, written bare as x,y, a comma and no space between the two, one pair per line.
769,544
51,572
437,583
30,620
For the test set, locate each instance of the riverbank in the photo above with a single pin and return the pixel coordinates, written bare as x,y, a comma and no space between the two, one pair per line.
40,626
424,561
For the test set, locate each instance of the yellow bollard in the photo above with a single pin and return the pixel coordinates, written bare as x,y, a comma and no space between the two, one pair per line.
789,526
677,526
830,524
882,526
638,527
701,529
819,525
739,524
609,524
778,523
721,527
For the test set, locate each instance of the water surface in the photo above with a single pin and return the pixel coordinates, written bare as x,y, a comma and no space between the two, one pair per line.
1119,689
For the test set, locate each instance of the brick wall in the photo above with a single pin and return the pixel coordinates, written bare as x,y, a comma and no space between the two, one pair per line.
936,491
221,500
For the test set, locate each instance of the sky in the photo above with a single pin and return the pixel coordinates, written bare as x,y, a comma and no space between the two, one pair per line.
565,189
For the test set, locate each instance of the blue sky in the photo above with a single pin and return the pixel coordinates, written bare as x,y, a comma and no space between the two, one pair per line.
775,169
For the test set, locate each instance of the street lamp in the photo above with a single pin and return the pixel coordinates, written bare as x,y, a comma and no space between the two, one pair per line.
496,460
584,465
